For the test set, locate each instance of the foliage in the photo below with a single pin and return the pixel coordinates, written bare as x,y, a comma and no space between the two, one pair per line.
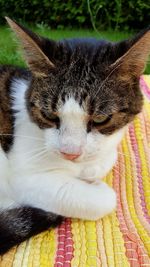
101,14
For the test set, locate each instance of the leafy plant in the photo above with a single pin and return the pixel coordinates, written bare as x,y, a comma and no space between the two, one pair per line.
97,14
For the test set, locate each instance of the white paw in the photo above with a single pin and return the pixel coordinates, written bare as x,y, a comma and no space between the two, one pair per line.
104,202
90,173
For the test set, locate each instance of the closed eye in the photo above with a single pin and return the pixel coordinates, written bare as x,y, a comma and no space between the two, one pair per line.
124,110
50,117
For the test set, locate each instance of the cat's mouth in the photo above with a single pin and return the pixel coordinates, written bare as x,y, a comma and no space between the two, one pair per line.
71,157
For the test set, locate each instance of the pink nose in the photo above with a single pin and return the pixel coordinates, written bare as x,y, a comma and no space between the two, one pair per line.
70,156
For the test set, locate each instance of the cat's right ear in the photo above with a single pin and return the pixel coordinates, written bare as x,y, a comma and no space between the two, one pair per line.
133,62
36,59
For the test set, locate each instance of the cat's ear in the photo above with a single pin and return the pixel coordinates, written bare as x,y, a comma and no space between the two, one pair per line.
133,62
36,59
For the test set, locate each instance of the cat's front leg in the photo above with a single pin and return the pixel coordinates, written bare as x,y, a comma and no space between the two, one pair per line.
64,195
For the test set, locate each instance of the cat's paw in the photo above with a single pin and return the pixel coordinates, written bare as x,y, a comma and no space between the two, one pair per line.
91,173
105,202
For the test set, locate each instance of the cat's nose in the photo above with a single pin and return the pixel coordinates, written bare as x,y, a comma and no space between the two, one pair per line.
70,156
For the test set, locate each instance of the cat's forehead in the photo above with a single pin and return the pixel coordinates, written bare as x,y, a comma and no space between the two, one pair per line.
92,97
83,75
71,107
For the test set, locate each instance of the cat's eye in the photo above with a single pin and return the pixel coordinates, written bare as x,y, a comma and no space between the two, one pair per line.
50,117
101,119
124,110
53,117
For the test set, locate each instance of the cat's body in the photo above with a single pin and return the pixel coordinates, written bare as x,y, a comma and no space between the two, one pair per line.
60,124
49,181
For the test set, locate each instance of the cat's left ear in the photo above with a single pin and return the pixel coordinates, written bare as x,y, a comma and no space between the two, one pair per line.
133,62
36,59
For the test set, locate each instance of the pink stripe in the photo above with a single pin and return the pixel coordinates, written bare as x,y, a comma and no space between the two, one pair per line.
139,171
131,254
64,252
144,87
134,249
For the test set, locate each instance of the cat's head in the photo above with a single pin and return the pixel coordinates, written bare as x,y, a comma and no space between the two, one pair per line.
83,91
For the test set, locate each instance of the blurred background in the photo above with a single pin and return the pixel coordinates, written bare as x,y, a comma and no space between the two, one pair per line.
112,20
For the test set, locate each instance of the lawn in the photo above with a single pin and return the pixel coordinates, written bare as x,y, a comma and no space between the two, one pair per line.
10,55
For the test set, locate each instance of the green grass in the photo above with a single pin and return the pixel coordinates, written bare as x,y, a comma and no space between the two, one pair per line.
8,46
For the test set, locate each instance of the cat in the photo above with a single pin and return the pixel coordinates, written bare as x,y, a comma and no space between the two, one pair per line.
61,120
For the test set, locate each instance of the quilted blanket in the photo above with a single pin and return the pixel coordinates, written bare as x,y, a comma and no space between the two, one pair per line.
121,239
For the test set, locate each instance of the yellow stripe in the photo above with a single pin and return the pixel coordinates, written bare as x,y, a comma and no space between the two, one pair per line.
83,256
147,80
144,170
38,251
7,261
140,229
76,243
48,249
114,241
91,243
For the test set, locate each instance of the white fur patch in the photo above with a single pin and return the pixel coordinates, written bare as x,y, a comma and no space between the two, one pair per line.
19,87
72,134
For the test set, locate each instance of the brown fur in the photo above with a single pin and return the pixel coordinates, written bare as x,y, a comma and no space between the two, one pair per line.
7,74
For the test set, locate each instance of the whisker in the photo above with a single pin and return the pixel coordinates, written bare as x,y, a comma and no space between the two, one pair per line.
49,169
41,153
32,167
123,154
109,100
24,136
105,114
113,107
31,151
124,166
37,155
